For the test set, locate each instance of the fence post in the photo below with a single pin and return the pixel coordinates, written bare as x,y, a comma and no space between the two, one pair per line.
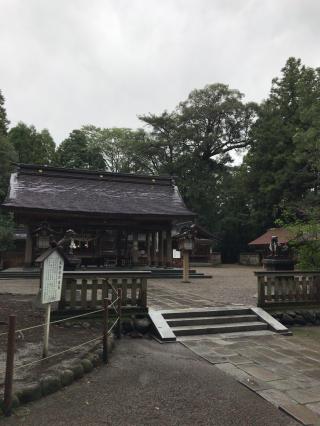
9,366
261,291
144,292
119,313
105,331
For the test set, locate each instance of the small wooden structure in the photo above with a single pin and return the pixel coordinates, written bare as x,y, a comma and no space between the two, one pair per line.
201,252
120,220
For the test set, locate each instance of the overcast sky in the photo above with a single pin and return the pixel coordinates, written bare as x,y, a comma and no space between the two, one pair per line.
65,63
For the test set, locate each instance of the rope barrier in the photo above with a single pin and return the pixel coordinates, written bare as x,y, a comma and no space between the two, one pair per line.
110,329
111,304
57,354
54,322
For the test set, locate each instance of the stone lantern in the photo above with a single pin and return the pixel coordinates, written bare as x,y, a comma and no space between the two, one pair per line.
186,245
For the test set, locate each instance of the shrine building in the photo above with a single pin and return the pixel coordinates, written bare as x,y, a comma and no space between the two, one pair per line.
119,219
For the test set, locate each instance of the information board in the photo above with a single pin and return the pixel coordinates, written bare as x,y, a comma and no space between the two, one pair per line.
51,278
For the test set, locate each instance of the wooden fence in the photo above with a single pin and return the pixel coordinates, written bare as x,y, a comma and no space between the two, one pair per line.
85,290
288,288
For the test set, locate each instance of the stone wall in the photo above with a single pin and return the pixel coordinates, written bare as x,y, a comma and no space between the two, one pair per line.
250,259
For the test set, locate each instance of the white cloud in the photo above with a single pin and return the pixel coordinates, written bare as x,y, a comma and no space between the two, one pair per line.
68,63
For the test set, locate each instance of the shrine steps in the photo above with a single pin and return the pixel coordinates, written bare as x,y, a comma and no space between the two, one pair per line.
172,324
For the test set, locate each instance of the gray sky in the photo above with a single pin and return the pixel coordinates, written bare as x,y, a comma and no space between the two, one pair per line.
68,63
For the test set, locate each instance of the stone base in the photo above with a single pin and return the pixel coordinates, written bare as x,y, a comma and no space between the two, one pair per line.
278,264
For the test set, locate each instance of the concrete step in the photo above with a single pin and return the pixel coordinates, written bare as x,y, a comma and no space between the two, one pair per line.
205,312
219,328
222,319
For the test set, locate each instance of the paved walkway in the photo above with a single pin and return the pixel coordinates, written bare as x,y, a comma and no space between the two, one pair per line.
148,384
229,285
278,368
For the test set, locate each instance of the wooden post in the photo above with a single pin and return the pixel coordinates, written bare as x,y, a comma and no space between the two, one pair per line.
46,331
156,249
153,248
161,247
28,248
261,292
185,266
169,248
9,366
135,248
144,292
119,313
148,248
105,331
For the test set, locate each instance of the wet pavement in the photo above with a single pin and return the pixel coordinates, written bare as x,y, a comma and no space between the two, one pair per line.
147,384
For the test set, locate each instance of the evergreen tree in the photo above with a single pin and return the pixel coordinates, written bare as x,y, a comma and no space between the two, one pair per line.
282,165
32,146
75,152
4,122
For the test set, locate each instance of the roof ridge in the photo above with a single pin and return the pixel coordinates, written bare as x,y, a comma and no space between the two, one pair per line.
40,169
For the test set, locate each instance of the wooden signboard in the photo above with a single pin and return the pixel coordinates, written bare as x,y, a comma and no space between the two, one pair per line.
51,277
52,264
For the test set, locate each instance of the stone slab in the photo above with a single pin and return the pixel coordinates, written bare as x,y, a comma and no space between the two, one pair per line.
272,322
302,414
161,326
304,396
315,407
255,384
276,397
260,373
233,371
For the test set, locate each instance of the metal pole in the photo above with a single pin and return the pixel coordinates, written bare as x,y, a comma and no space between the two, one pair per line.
9,366
105,331
46,331
119,313
185,266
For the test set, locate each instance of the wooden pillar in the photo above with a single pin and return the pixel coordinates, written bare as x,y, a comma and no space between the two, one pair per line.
135,248
156,249
148,247
28,248
161,248
169,248
185,278
153,248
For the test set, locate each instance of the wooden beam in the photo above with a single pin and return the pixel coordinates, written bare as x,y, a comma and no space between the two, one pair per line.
28,248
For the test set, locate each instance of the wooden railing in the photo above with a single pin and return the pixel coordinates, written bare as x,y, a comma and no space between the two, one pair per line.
288,288
85,290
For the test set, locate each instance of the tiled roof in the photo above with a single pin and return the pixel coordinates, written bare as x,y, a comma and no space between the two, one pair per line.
81,191
283,235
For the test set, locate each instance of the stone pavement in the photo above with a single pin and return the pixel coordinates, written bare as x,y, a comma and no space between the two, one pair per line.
229,285
278,368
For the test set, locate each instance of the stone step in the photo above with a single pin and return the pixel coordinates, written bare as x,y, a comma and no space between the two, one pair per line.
204,312
221,319
219,328
178,276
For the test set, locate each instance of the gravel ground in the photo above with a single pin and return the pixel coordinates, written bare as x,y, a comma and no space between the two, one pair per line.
149,384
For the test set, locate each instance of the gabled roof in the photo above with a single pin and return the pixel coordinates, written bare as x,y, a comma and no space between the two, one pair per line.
36,187
283,235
